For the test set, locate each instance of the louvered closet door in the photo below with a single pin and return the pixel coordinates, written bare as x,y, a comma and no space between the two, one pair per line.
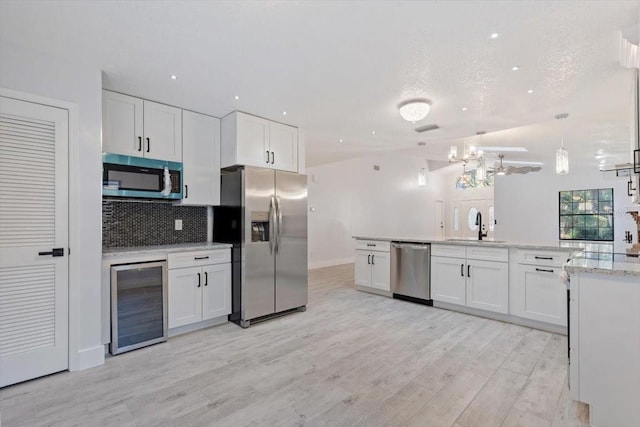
33,218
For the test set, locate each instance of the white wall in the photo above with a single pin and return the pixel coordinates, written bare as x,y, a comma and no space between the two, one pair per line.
40,74
527,205
351,198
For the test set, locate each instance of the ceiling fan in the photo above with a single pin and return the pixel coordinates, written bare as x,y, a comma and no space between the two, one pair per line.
508,170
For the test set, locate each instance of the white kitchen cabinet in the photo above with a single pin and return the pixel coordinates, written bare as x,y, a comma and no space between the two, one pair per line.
448,280
537,290
487,285
122,124
200,159
254,141
185,296
373,266
135,127
162,131
472,276
199,286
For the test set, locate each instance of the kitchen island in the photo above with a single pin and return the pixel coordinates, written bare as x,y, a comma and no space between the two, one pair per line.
589,290
604,344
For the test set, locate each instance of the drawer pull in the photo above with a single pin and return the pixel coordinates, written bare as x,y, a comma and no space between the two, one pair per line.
544,270
201,257
544,257
371,244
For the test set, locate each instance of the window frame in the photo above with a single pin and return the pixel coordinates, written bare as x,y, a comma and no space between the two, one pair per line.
572,215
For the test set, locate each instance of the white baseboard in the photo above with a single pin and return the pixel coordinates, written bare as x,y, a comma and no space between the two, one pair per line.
331,262
90,357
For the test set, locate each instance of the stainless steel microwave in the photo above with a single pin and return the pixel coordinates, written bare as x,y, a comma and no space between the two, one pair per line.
126,176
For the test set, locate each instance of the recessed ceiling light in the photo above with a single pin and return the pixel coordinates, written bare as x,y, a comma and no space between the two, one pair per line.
236,97
173,76
515,68
494,35
341,140
284,113
464,108
530,91
373,132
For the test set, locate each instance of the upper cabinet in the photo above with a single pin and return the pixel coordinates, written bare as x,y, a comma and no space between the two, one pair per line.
200,159
254,141
140,128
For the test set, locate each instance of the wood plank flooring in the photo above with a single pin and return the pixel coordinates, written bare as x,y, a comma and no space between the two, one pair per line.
353,359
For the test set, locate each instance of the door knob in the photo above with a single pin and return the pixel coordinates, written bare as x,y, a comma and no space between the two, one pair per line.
55,252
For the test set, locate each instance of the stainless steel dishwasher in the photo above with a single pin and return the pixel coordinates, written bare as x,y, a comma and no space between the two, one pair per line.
411,271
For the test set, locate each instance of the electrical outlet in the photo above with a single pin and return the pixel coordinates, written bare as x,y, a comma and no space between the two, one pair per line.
178,225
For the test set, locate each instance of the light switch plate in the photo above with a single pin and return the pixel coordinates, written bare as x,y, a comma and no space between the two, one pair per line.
178,225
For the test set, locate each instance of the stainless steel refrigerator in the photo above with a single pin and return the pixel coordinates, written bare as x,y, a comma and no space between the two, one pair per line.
263,213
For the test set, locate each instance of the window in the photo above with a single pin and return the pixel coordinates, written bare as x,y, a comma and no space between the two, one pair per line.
586,215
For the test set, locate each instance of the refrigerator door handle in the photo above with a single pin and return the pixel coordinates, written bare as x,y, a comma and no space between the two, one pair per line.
272,222
279,223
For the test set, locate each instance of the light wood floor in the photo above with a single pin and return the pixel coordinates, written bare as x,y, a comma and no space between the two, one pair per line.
353,359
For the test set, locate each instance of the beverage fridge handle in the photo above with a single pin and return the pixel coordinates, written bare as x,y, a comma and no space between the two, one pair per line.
279,224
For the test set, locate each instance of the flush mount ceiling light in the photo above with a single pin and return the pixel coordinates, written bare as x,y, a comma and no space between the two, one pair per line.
414,110
562,155
173,77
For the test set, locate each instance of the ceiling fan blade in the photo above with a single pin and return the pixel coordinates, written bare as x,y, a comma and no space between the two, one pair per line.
523,169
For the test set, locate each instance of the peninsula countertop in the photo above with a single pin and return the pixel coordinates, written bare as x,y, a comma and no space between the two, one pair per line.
603,258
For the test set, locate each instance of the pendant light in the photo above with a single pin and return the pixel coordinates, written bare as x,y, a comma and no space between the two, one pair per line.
562,156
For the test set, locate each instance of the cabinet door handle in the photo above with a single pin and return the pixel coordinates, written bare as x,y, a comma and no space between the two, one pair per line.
198,279
148,144
544,270
273,157
544,257
267,162
373,260
206,278
369,259
468,270
201,257
139,143
462,270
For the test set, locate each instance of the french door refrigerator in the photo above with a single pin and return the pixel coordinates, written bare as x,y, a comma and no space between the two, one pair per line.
263,213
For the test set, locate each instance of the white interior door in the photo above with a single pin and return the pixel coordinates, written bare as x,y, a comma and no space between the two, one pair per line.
34,287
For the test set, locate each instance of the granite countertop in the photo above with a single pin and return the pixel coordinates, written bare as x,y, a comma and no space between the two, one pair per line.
604,258
610,264
182,247
553,245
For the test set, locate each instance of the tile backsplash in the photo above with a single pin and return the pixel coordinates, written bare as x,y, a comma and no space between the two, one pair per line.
143,223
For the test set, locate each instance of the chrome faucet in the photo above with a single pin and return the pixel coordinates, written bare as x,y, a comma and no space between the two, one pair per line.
479,224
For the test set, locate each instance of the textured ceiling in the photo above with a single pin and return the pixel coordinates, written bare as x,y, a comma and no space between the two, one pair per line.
339,69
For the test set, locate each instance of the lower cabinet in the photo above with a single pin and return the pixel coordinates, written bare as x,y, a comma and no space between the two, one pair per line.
373,270
539,294
448,280
199,292
488,285
537,291
373,265
472,282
